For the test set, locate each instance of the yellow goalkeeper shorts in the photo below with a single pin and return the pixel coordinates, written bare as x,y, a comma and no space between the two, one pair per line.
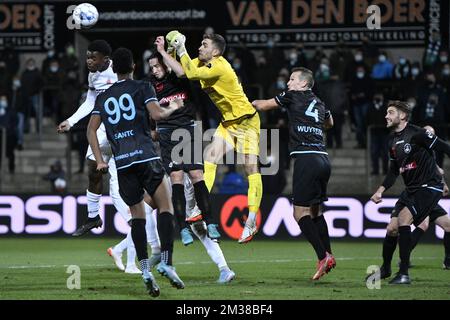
242,134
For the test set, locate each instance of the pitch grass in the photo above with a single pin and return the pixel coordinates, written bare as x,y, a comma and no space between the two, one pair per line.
266,270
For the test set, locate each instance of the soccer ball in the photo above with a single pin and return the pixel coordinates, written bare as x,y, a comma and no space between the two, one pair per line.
85,15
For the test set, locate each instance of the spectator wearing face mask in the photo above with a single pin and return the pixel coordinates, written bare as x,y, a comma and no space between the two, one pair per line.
274,56
340,59
18,103
440,62
376,123
51,56
382,70
31,83
248,62
5,80
240,71
412,83
432,104
69,62
316,59
412,103
323,72
431,53
278,86
370,51
333,93
54,78
9,122
445,78
402,69
357,61
11,58
293,59
361,91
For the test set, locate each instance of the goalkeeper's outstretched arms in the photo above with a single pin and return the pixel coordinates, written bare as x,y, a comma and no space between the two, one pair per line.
84,110
191,68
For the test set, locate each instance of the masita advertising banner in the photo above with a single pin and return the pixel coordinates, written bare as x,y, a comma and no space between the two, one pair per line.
347,217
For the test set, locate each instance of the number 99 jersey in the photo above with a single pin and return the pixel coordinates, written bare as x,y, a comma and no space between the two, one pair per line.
307,114
122,109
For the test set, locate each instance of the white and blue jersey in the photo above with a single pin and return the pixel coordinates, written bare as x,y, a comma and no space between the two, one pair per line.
122,109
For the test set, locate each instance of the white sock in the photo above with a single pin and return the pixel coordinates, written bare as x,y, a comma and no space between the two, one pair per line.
131,251
189,194
213,249
93,203
251,218
121,246
152,230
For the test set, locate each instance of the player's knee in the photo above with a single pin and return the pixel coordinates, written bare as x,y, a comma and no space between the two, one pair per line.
424,225
196,175
176,177
392,230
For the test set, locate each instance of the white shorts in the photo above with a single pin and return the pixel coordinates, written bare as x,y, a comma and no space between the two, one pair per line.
103,142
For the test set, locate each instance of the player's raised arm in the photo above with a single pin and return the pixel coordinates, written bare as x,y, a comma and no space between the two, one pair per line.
94,124
168,59
83,110
265,105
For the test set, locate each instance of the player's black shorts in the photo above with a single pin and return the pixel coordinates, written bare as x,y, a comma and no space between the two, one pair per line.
421,203
311,174
139,177
186,144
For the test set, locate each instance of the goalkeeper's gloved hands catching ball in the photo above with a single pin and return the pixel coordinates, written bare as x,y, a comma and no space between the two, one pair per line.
176,40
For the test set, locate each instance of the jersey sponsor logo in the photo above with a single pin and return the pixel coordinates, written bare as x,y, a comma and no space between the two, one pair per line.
129,154
308,129
407,148
176,96
409,166
159,86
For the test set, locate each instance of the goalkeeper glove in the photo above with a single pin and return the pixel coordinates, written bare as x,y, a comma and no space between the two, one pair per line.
177,41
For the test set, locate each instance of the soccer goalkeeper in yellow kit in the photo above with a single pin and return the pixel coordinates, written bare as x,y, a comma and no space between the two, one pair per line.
240,125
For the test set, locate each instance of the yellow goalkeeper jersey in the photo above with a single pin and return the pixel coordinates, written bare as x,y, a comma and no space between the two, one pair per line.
221,83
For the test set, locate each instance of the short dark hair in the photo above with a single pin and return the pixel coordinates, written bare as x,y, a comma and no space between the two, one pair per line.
401,106
157,55
122,61
100,46
217,40
305,74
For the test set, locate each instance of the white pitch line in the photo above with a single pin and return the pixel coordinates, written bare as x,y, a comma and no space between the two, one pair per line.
209,262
